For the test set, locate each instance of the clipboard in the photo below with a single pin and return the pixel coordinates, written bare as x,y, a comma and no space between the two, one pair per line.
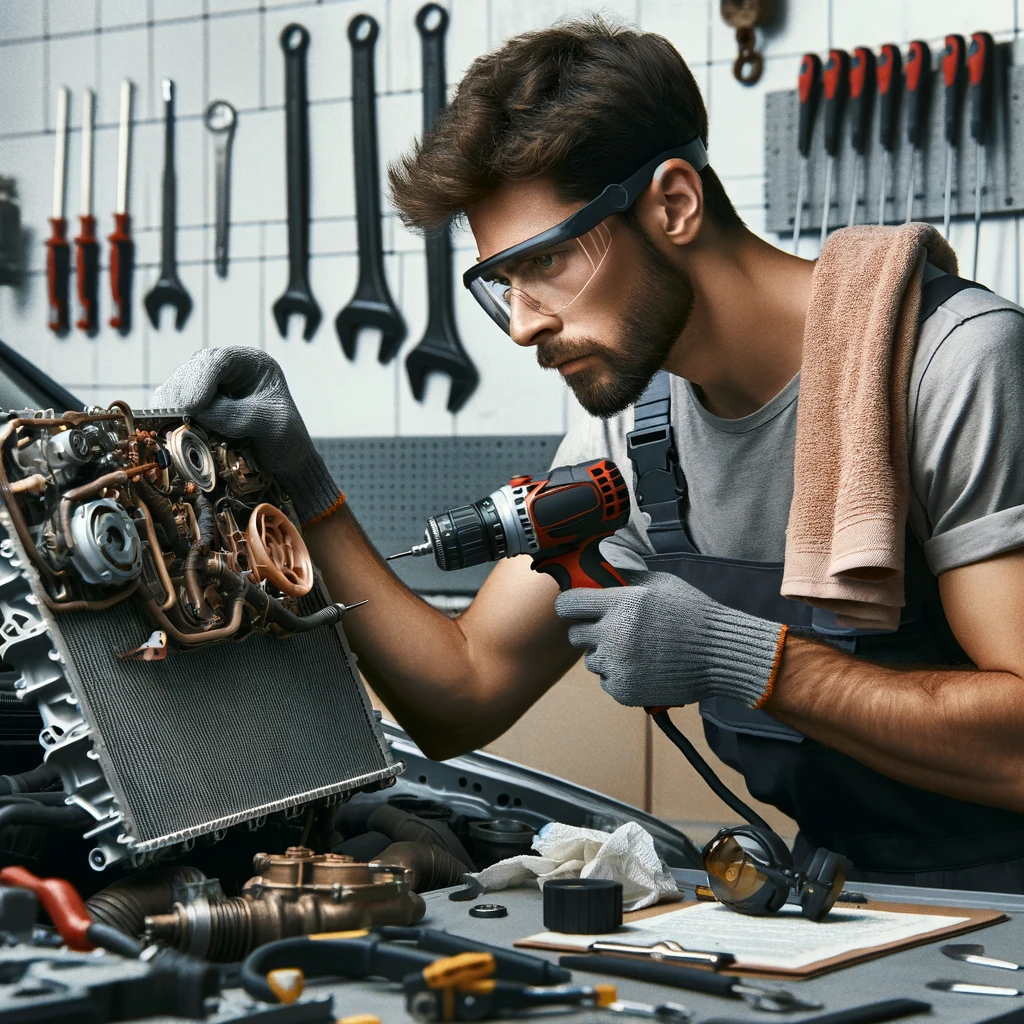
971,920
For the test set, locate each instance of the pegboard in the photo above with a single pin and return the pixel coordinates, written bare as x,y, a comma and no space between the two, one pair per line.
1003,185
394,483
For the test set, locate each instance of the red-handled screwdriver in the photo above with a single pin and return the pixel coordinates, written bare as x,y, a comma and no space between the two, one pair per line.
953,76
836,79
58,254
807,93
122,249
862,92
918,77
87,251
889,75
980,60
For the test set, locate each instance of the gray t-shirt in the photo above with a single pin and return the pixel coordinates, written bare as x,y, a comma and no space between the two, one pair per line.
966,446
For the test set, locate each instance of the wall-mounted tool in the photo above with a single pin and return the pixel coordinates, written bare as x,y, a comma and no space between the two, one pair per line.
122,248
745,16
298,296
836,79
862,92
889,75
918,73
87,251
981,70
168,290
439,350
58,254
953,77
220,119
10,232
807,93
372,305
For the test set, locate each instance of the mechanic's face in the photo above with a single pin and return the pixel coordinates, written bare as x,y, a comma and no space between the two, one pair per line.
609,341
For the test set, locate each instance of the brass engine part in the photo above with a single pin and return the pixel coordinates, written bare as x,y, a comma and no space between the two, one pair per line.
297,893
277,552
241,475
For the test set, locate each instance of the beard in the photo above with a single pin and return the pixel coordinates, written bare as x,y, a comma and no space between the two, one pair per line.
657,310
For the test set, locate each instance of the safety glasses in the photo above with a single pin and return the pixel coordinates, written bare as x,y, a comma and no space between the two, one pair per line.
750,869
550,271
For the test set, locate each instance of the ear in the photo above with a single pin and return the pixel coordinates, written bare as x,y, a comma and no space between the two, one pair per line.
673,205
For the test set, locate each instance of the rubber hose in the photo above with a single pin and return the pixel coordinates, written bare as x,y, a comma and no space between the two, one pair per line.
126,903
163,512
35,814
204,518
401,826
33,781
51,799
113,940
432,867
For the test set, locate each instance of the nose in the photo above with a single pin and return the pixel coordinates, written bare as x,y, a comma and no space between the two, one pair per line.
527,323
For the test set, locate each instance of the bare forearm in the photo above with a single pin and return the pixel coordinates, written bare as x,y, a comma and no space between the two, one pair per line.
951,731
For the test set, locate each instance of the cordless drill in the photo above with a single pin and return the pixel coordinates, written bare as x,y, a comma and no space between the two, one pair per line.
560,521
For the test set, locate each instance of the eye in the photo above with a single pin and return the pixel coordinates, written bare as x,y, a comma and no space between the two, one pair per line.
545,262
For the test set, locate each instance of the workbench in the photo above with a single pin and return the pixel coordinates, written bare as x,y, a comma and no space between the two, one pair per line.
901,974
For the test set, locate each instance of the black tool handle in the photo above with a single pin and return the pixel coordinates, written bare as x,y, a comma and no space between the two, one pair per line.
87,265
689,978
862,93
122,263
917,76
981,68
836,79
953,77
58,273
808,90
872,1013
295,44
888,75
362,34
169,228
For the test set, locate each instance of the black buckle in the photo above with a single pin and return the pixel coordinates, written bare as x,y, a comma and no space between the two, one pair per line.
657,476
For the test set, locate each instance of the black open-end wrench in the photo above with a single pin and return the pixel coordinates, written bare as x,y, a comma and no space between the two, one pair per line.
439,350
168,290
298,297
372,305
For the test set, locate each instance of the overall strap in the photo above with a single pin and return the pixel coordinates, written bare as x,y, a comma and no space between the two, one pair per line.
936,291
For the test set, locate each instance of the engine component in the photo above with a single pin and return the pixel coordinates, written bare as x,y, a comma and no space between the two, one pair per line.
297,893
192,457
107,546
277,552
429,866
125,903
582,906
499,839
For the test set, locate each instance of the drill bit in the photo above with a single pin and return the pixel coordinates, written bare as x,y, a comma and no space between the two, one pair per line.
426,548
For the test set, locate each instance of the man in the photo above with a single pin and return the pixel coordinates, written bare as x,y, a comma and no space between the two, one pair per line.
916,773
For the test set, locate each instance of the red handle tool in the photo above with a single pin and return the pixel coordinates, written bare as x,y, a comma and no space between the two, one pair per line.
122,258
807,89
58,274
87,267
953,76
980,60
862,90
918,70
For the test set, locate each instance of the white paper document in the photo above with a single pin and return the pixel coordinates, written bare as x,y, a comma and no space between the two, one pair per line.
785,941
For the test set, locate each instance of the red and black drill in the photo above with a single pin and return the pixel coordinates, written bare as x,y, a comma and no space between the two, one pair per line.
560,521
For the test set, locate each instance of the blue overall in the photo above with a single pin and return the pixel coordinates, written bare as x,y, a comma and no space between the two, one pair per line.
893,832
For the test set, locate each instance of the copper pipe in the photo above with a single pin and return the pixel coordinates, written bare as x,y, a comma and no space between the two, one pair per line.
158,556
193,523
220,633
91,606
34,484
126,410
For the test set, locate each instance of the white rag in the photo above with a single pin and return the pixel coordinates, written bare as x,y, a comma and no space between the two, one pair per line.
626,855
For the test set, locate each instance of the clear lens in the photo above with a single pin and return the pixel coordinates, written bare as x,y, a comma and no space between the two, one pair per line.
548,281
732,874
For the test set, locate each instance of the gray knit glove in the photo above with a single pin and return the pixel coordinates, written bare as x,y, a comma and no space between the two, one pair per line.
662,643
237,391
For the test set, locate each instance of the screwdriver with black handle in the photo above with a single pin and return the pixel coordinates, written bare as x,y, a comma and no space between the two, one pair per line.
836,80
889,76
808,87
953,77
87,259
917,80
862,93
981,71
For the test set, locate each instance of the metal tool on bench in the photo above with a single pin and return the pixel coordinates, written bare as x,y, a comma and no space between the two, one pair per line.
659,972
372,305
981,70
58,254
808,87
836,79
974,953
953,77
87,251
220,119
866,1013
889,77
665,951
122,248
298,296
862,93
439,350
168,290
917,84
970,988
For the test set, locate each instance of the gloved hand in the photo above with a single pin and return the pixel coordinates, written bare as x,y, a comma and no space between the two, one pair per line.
238,391
662,642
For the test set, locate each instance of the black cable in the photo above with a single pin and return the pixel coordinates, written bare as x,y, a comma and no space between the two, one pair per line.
706,772
107,937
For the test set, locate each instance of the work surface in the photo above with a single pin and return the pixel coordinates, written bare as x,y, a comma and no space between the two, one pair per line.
902,974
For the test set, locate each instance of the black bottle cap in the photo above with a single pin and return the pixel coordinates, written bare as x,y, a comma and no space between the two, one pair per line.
582,906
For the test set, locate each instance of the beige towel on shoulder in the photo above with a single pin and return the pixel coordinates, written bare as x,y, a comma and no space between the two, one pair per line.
845,539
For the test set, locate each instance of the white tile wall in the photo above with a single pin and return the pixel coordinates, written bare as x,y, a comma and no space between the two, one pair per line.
230,49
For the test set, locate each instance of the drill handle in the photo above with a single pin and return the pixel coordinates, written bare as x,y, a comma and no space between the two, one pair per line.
583,567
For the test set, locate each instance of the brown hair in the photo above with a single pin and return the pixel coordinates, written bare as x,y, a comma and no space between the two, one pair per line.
585,103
